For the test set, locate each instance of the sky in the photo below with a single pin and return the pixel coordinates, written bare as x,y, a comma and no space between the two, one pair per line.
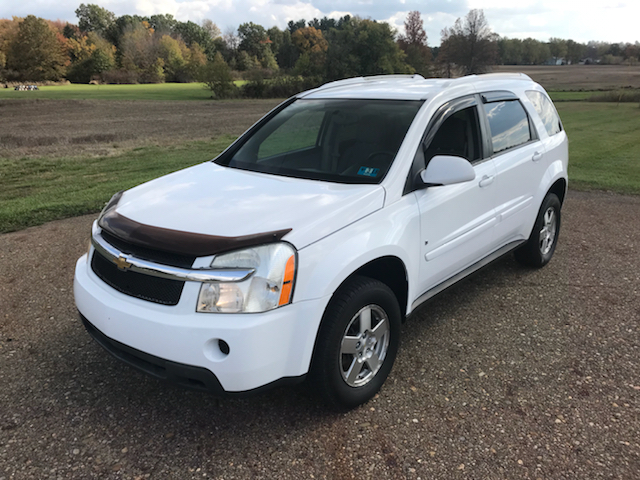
582,21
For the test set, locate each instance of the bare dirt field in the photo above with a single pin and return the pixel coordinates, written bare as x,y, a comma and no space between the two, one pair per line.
579,77
512,374
101,127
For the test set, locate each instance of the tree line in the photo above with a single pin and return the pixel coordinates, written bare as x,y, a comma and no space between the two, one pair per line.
138,49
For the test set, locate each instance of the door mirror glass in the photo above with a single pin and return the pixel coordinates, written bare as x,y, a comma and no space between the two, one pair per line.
447,170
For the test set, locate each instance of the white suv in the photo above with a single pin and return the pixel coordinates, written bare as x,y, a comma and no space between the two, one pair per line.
298,251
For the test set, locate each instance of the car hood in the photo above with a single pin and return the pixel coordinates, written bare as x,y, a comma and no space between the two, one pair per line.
214,200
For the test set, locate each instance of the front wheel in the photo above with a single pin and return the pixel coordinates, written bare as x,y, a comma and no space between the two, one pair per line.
357,343
543,240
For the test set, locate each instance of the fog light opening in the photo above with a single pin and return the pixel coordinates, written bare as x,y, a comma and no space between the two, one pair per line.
223,346
216,349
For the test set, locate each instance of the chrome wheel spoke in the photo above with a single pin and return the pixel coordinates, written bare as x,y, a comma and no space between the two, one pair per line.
374,363
380,329
350,345
365,320
548,232
364,345
354,370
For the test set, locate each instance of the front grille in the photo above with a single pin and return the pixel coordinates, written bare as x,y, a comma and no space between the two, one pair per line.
145,253
146,287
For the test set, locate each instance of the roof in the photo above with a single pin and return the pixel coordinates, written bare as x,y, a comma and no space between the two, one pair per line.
409,87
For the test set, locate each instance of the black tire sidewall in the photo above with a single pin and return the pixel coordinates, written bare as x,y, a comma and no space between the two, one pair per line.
550,201
530,253
357,294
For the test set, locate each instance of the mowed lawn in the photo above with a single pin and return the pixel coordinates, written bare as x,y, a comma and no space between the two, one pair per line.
36,190
173,91
169,91
161,91
603,141
604,145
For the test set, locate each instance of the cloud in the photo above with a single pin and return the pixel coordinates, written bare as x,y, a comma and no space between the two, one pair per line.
541,19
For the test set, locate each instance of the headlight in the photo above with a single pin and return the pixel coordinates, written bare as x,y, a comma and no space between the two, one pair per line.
269,287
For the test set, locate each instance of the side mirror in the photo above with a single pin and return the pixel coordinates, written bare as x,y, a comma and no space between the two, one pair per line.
447,170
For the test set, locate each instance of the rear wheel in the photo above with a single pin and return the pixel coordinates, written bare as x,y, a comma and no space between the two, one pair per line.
357,343
543,240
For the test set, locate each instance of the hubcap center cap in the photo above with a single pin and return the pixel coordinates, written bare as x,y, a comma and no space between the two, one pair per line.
365,346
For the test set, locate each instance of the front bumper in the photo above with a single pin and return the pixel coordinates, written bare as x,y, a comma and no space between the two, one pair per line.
263,348
188,376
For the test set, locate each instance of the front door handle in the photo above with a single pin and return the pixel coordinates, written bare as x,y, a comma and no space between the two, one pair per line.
536,156
486,180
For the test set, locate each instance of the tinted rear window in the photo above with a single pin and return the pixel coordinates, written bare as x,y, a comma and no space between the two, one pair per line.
546,110
509,124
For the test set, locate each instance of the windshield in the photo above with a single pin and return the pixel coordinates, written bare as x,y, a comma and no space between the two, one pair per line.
346,141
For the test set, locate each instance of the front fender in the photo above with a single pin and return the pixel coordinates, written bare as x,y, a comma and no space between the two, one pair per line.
392,231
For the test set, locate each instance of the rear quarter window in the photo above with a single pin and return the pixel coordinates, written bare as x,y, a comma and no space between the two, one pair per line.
546,110
509,124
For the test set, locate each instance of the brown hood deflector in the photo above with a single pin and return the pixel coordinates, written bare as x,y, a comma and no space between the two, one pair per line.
175,241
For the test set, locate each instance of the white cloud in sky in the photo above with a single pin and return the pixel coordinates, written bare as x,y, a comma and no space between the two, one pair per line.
581,21
540,19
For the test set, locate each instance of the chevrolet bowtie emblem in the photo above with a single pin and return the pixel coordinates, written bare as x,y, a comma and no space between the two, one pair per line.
121,263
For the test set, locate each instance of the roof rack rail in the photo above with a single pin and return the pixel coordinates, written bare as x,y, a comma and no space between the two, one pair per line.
491,76
371,78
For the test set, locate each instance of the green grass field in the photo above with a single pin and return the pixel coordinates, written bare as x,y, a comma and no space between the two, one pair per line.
160,91
604,146
174,91
603,143
36,190
570,96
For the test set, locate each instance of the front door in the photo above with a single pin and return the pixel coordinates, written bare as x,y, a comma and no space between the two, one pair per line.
456,221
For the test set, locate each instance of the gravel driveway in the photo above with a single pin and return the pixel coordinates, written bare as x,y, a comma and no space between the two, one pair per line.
513,373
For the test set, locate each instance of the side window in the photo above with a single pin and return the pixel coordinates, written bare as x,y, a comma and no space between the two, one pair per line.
509,124
297,133
546,110
458,135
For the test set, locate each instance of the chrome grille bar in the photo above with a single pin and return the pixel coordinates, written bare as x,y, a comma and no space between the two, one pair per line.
125,262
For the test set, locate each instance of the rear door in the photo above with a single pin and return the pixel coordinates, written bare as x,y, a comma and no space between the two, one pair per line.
518,155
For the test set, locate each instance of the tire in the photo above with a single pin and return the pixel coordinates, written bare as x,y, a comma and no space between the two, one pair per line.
543,240
357,343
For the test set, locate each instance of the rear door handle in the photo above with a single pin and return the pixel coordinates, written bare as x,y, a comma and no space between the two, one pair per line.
486,180
536,156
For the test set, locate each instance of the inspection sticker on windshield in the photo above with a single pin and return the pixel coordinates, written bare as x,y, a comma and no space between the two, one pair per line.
368,171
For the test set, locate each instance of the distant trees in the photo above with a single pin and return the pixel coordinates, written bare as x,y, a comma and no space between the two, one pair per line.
469,44
534,52
211,28
157,48
90,54
256,44
313,48
414,44
575,51
216,75
363,47
191,33
557,48
93,18
139,52
8,30
36,52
